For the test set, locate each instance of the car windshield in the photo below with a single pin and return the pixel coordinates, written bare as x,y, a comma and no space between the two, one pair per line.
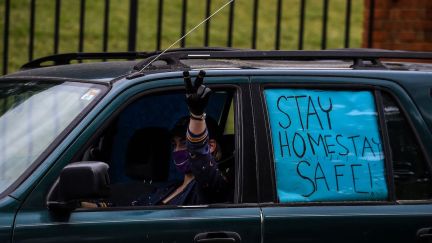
32,116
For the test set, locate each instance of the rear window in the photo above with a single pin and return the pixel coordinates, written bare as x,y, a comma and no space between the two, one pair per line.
327,145
411,172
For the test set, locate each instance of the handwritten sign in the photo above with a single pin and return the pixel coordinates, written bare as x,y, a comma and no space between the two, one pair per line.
327,145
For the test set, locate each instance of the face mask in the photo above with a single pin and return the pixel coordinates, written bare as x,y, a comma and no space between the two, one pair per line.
181,160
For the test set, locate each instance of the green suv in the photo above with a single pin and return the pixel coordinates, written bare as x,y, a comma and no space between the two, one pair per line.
322,146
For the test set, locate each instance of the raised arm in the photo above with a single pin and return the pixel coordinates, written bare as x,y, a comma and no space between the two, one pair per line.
203,164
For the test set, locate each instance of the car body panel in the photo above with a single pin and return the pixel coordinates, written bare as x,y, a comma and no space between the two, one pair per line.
264,222
356,223
384,221
36,223
8,208
84,71
137,225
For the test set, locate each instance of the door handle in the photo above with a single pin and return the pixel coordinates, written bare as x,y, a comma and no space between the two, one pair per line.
217,237
424,235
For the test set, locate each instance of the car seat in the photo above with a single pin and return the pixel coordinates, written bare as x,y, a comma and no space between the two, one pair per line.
147,160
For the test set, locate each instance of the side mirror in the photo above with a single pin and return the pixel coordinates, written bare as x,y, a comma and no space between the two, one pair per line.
81,181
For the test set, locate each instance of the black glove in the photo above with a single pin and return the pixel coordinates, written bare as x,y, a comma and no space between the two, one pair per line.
197,95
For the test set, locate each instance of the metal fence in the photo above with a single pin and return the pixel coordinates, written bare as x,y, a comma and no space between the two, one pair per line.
133,18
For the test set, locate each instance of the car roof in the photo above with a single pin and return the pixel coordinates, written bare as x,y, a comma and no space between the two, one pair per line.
101,71
218,58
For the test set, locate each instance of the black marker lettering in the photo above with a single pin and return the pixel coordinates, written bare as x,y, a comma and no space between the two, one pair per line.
283,145
298,109
305,177
309,113
354,178
313,141
322,177
353,142
369,146
370,176
346,149
327,111
378,145
328,145
288,117
337,175
297,135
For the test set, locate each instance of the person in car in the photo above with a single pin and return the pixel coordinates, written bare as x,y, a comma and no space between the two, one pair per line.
196,152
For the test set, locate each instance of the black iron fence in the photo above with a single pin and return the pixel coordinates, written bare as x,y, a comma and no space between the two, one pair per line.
133,19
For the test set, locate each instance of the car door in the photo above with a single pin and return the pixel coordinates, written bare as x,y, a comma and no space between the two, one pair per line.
238,220
311,190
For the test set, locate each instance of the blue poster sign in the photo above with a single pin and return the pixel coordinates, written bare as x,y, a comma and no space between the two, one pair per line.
327,145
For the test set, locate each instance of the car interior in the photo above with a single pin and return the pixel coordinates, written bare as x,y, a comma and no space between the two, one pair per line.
136,144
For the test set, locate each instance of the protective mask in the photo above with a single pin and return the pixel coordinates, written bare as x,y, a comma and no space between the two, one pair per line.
181,160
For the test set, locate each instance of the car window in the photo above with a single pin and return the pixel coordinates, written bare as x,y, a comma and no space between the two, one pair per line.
412,175
229,125
137,146
327,145
32,116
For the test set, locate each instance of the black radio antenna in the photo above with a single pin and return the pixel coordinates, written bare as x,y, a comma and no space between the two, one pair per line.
190,31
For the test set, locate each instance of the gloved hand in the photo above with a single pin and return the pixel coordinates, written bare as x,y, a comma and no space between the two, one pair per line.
197,94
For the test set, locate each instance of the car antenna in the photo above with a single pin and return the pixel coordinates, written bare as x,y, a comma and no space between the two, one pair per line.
184,36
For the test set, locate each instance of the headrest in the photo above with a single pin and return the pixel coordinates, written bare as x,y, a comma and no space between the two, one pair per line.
148,154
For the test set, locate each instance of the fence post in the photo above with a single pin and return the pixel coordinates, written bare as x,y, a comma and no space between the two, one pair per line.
278,24
106,26
324,25
133,18
183,23
230,24
207,24
32,25
301,23
6,37
159,25
347,23
255,24
81,26
371,23
57,26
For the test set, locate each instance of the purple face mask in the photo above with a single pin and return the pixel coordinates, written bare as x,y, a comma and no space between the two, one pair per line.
181,160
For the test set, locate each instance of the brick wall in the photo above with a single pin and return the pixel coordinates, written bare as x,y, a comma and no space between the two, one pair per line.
400,25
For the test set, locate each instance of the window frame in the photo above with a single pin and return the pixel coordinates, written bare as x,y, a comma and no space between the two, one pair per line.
376,91
417,138
238,94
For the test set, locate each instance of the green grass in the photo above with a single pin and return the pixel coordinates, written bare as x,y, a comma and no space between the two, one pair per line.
147,28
